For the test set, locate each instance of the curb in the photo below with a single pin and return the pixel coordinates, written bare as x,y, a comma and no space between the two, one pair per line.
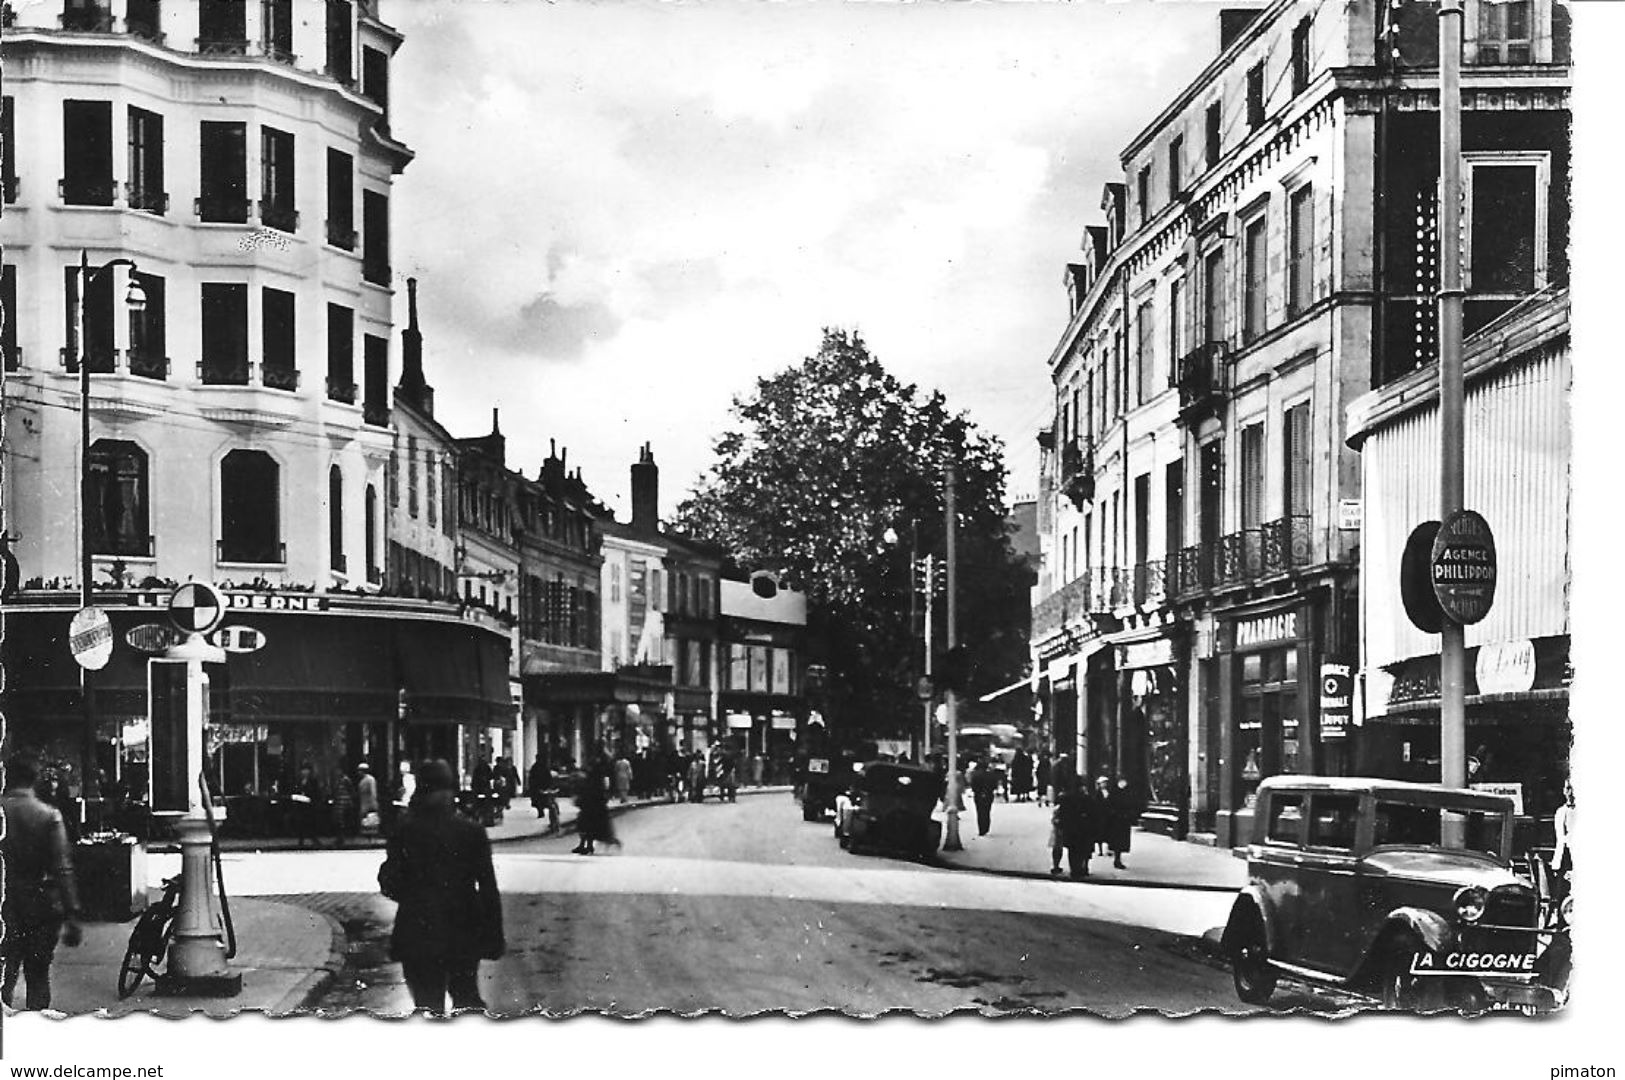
1034,875
310,989
568,828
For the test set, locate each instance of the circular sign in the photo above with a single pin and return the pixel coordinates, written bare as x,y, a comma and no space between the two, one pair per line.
247,639
1416,579
923,688
152,637
1464,567
196,608
90,638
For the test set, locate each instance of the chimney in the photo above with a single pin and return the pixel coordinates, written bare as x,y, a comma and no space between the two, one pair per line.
413,386
646,492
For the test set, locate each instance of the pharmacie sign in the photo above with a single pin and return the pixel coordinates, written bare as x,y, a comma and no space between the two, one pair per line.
1464,567
1282,626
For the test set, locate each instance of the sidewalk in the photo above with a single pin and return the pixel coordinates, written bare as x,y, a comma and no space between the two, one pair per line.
288,954
1017,845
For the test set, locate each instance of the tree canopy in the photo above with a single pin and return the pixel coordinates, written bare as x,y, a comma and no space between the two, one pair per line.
817,464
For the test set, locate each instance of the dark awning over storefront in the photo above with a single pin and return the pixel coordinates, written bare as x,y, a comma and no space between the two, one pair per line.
601,688
315,667
1542,677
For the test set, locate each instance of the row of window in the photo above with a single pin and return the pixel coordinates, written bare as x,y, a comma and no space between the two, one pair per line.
690,594
118,514
437,489
558,612
222,30
760,669
1083,545
223,196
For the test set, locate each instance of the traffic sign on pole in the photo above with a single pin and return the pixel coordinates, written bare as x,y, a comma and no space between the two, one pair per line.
90,638
238,639
196,608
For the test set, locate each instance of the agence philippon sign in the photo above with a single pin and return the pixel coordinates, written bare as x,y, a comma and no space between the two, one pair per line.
1464,567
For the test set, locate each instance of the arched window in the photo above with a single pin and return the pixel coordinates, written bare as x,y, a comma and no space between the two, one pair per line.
335,517
250,508
372,535
116,518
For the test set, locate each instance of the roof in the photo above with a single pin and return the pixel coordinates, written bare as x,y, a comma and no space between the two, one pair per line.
1360,785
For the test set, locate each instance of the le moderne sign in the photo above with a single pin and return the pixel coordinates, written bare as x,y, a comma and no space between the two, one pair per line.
244,601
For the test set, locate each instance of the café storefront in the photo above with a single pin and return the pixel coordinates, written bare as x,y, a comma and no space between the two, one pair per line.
338,681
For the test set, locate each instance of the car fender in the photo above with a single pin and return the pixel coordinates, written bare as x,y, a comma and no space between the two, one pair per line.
1249,900
1433,929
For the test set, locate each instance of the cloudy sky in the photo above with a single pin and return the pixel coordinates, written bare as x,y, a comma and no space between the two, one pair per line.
621,213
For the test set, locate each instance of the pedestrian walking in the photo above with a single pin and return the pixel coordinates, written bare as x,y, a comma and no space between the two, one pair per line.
592,807
366,800
543,793
1041,777
696,778
343,807
480,784
1075,821
450,916
1021,775
41,904
984,786
1123,810
1102,813
309,806
623,778
1062,777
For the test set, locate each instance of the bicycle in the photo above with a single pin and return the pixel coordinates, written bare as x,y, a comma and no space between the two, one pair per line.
149,941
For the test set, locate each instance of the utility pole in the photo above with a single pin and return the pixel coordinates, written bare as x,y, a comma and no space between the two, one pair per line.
1453,643
951,841
930,565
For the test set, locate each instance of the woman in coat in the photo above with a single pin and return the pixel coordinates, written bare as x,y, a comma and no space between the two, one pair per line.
592,806
1122,811
450,914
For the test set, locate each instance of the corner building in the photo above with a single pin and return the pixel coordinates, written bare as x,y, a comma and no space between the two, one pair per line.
1264,261
240,154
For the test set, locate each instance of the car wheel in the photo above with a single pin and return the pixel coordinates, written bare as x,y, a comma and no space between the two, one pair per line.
1403,991
809,812
1249,961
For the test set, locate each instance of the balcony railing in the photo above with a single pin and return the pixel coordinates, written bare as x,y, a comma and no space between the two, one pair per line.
341,236
1150,583
341,390
148,365
270,553
1078,471
1055,610
136,547
279,216
87,192
278,53
279,378
1240,556
223,372
221,46
375,271
375,413
230,209
1202,377
144,28
97,361
1287,543
139,198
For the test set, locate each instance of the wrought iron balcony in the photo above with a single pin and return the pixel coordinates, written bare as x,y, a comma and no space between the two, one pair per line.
1078,471
245,551
91,19
279,378
341,236
231,209
84,191
1287,543
1195,570
222,46
341,390
138,198
375,413
279,216
1150,583
1240,556
1057,609
223,372
1202,377
98,361
148,365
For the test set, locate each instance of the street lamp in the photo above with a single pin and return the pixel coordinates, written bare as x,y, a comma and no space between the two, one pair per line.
1453,643
927,567
135,299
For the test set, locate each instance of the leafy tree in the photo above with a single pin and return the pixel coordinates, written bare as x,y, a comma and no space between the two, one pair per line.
817,464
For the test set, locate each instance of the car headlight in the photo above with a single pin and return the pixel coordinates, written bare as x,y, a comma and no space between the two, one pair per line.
1566,910
1470,903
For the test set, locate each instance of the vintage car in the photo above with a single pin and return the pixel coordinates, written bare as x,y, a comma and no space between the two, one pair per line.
827,776
891,810
1402,892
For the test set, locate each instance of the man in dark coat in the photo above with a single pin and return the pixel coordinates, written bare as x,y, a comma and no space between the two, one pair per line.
41,904
1041,777
1076,825
1021,775
592,806
984,785
450,915
1122,811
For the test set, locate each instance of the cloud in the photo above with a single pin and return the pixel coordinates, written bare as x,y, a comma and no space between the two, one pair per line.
555,331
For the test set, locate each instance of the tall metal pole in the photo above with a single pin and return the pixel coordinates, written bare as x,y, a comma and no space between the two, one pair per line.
87,691
951,840
1453,646
930,611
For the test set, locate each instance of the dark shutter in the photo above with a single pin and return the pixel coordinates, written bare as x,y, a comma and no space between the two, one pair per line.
250,504
8,316
1298,461
225,334
223,183
1252,476
98,314
375,358
375,237
277,329
149,345
87,153
339,46
341,353
8,150
340,200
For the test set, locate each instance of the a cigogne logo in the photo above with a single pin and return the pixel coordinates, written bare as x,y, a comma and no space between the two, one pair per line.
1464,962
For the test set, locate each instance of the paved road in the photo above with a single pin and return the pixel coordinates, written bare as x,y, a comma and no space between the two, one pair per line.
745,908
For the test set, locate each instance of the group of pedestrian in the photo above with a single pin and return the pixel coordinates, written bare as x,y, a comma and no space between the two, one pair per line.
1090,822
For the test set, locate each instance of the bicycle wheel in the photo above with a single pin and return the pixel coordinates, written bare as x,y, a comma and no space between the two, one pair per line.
148,943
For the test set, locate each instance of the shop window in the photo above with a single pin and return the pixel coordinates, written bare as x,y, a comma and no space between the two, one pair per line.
335,518
223,180
1507,216
146,166
224,334
117,518
250,508
148,332
1301,257
1256,269
1333,820
1286,820
87,153
277,203
340,200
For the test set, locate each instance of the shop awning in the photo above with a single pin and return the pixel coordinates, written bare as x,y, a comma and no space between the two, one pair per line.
1003,690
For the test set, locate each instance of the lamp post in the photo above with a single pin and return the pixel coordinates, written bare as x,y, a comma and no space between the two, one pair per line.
135,298
950,840
1453,644
927,585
